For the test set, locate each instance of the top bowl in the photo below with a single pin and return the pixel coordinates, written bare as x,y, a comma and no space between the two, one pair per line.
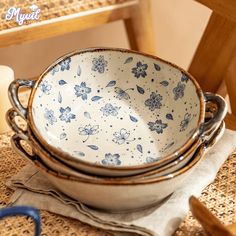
108,108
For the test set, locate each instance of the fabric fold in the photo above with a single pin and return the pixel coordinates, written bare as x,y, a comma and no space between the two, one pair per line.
31,188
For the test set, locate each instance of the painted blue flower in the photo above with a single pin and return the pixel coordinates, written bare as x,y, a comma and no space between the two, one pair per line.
49,116
111,160
66,115
99,64
45,87
55,69
121,136
82,91
88,130
65,64
109,109
154,102
179,91
157,126
184,123
140,70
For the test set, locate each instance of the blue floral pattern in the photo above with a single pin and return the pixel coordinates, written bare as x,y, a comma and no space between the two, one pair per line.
88,130
66,114
184,123
179,91
140,70
99,64
157,126
109,109
121,137
45,87
111,160
65,64
154,102
82,91
113,109
49,116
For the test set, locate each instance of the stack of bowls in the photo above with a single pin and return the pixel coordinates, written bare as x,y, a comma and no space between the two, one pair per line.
116,129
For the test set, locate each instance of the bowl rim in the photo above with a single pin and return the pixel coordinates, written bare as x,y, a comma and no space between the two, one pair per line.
42,151
198,155
35,144
60,153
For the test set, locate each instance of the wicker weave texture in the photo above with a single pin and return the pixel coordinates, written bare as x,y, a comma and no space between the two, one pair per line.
50,9
219,197
52,224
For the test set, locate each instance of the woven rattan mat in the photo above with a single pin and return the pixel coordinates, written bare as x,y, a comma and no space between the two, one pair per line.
219,197
50,9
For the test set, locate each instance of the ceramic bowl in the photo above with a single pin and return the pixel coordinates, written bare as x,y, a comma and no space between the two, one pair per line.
55,164
117,195
60,167
169,168
115,112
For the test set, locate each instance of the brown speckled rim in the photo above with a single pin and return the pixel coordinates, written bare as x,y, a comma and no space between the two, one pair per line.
40,151
199,154
55,151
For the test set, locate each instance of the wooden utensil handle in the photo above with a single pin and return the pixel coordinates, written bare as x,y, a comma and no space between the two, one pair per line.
210,223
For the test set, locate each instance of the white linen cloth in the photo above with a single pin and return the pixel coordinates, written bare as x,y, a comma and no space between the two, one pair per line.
31,188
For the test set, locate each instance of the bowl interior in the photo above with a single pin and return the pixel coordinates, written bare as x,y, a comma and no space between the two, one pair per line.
115,108
55,164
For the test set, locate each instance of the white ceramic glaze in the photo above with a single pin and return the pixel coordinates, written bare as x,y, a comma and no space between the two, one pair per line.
122,196
117,197
115,112
62,168
116,108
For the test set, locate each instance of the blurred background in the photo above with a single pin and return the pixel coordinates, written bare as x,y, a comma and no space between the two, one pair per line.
178,27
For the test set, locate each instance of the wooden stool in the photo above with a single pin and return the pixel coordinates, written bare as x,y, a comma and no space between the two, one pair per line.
59,17
214,63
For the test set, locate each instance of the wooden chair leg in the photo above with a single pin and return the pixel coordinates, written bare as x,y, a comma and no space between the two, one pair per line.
140,28
230,81
214,52
222,90
230,121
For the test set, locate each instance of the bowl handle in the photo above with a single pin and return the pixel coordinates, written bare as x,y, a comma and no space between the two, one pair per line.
11,120
214,122
14,98
23,210
16,144
217,134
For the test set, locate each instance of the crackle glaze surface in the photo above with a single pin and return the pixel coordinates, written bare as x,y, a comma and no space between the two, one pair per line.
116,108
